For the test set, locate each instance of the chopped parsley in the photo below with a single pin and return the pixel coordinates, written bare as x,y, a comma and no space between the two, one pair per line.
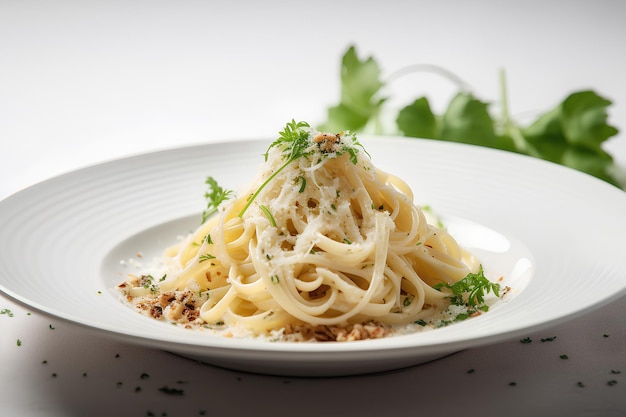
206,257
171,391
147,282
7,312
302,184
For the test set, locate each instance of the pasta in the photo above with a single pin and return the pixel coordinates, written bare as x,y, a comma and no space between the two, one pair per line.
323,246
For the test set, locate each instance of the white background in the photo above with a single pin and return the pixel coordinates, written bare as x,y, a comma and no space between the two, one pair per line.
83,82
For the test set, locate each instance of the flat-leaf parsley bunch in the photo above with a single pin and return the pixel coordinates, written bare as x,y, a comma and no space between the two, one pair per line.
570,134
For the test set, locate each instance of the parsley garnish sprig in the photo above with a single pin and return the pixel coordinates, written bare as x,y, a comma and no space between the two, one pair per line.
471,290
214,195
469,293
294,138
294,141
206,257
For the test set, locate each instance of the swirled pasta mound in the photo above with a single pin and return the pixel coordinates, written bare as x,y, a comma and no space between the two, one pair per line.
323,245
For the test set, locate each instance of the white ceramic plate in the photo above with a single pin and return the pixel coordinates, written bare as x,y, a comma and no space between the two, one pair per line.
556,235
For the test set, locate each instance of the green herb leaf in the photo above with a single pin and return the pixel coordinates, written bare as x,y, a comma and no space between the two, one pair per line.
215,195
467,120
418,120
360,84
572,133
585,120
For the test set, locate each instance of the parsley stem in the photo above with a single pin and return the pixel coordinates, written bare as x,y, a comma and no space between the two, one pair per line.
509,127
268,214
258,191
506,118
435,69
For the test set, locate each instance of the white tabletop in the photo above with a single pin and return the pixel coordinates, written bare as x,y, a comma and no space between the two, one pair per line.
83,82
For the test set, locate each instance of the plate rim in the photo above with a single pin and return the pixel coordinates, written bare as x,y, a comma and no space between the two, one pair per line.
369,346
